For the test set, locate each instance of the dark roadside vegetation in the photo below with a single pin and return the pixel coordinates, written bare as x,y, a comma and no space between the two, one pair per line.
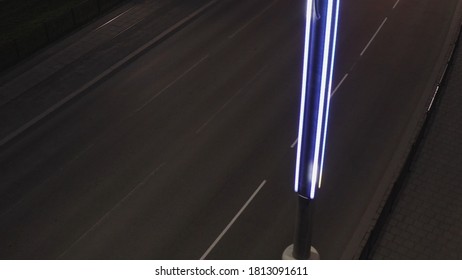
28,25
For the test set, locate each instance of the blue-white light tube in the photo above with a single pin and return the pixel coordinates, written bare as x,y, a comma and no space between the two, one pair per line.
309,15
318,63
334,45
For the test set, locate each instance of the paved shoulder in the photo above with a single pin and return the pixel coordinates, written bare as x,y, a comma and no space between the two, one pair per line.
426,222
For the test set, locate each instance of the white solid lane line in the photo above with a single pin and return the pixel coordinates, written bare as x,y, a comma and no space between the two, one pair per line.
232,221
373,37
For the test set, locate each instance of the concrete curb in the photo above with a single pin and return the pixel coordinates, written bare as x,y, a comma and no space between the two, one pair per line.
370,220
369,247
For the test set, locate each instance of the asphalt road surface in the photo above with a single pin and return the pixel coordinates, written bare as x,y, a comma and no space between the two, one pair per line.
187,151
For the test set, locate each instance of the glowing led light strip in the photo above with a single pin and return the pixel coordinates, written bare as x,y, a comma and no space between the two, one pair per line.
309,11
334,44
316,163
321,112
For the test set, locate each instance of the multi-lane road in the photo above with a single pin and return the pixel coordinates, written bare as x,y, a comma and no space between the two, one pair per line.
187,151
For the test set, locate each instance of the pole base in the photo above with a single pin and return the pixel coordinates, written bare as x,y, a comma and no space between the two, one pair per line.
288,253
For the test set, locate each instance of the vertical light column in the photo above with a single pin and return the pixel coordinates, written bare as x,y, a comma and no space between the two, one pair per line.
318,66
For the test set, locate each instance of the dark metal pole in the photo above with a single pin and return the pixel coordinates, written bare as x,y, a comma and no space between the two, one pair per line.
302,240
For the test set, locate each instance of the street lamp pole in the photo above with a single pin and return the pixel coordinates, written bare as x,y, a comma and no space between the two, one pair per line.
302,240
318,66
